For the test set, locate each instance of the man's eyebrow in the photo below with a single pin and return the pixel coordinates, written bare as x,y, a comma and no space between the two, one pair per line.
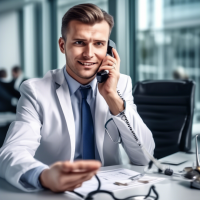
100,40
81,39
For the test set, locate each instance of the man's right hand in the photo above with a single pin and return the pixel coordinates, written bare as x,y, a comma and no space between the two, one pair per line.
66,176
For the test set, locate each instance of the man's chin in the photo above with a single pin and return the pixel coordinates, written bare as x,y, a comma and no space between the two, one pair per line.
88,76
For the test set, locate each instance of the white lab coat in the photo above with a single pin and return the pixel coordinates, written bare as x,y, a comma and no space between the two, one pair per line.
44,130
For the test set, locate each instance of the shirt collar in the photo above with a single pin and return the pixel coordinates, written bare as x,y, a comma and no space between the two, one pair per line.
74,85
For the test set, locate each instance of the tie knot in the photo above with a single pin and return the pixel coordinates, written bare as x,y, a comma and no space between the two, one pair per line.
84,92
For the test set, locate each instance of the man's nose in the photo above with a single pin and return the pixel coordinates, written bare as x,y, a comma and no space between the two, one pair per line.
88,51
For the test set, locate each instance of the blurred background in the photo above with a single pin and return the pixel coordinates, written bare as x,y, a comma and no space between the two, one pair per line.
156,39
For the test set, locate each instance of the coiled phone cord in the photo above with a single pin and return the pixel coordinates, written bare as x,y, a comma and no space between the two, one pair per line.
166,171
127,122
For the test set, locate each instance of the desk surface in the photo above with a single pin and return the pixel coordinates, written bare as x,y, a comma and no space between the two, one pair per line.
169,189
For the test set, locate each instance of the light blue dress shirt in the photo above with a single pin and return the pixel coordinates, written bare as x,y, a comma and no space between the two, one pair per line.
31,177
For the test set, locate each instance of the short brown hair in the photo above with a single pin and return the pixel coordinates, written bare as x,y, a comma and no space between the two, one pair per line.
3,73
86,13
16,69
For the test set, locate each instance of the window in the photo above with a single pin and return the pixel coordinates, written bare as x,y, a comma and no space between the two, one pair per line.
168,41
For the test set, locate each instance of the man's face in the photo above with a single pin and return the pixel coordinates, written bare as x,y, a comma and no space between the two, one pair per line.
15,74
85,48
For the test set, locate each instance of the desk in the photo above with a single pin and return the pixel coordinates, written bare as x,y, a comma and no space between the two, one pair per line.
169,189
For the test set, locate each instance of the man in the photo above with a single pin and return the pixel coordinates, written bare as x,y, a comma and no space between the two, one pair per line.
17,76
7,94
62,117
7,106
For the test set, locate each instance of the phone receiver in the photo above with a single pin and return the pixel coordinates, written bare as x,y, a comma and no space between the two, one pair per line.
103,75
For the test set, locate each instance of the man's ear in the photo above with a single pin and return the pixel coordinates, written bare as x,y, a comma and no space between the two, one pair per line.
61,43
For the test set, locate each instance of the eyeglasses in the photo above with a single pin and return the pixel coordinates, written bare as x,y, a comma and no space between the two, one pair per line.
136,197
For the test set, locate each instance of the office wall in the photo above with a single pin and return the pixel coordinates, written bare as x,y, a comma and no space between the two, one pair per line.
9,40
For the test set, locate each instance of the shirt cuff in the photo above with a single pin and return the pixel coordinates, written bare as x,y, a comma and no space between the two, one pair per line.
31,177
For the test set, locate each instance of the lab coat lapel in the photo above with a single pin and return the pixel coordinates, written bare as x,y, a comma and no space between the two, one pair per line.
65,102
101,110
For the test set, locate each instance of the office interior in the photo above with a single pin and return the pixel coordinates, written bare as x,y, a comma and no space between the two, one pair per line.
156,40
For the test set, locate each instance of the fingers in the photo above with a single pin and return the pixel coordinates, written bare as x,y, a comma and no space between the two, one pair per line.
67,182
77,186
109,58
73,187
116,54
110,61
62,176
71,181
116,58
106,67
89,165
78,181
81,166
79,177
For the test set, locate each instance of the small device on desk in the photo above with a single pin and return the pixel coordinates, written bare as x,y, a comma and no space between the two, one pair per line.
194,174
103,75
196,183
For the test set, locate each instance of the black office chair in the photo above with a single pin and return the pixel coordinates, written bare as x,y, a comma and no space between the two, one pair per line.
167,108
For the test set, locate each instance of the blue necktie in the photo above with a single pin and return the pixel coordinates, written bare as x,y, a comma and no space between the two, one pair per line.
88,151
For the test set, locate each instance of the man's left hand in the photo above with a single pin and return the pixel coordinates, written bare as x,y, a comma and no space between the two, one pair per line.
108,89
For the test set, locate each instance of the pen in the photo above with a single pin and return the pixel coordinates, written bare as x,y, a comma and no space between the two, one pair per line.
136,177
129,180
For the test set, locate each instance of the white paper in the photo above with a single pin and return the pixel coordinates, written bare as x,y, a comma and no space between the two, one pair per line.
108,178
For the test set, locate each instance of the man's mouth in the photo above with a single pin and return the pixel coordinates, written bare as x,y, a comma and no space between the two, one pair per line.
87,63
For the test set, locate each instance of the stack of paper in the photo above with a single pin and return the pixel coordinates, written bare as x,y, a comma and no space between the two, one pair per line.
108,178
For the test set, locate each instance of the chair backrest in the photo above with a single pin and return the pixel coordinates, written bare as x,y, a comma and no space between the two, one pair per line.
167,108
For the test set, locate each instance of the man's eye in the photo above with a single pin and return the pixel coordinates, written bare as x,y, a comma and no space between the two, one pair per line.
78,42
99,43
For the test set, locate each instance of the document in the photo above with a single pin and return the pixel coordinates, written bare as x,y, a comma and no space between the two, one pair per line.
108,178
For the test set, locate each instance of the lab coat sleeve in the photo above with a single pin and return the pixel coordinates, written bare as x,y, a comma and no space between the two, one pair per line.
143,133
22,140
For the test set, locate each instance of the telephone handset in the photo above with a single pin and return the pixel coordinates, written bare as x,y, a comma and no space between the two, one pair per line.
103,75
